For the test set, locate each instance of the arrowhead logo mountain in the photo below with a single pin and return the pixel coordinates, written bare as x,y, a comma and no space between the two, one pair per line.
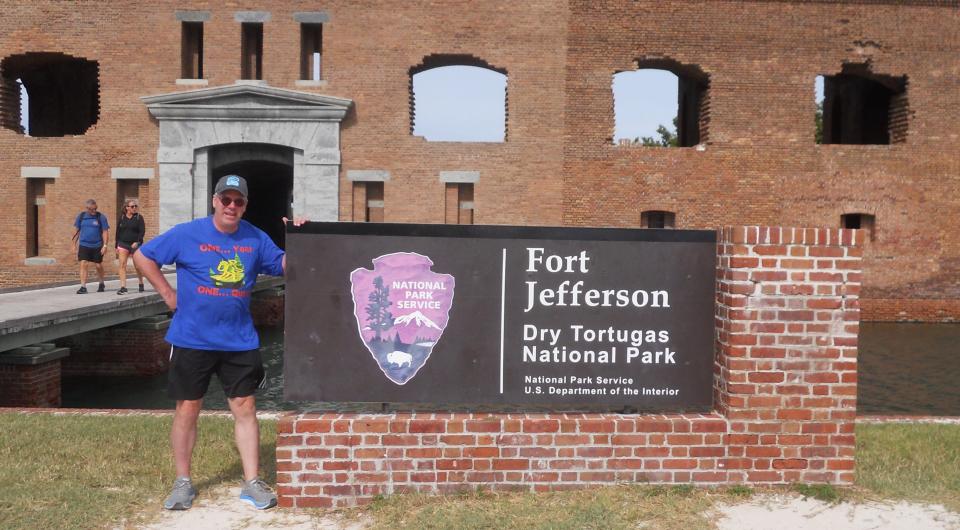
401,308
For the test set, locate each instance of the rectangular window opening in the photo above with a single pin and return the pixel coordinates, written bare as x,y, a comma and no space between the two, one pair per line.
859,221
465,204
36,213
374,202
311,49
191,50
251,50
859,107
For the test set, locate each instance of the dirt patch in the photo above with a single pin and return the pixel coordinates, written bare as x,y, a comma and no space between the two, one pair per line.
222,509
792,512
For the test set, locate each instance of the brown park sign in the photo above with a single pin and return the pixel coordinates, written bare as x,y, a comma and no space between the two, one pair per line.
500,315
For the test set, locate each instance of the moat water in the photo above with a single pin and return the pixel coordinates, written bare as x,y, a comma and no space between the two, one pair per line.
909,369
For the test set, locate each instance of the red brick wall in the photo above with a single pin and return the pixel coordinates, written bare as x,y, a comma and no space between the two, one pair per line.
117,350
339,459
786,358
557,167
785,389
907,309
35,385
267,308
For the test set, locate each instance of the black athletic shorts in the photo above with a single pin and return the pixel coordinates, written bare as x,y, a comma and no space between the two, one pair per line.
126,246
89,254
240,372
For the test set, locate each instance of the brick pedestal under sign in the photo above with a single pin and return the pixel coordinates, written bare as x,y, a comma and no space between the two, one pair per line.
785,389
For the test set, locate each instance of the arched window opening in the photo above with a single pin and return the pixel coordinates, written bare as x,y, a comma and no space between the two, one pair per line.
458,98
860,107
660,104
657,219
64,94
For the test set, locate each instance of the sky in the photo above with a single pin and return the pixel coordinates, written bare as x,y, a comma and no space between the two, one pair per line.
465,103
459,104
642,101
24,107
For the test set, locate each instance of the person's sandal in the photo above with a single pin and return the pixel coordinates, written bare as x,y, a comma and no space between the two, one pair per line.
101,288
82,290
140,288
122,290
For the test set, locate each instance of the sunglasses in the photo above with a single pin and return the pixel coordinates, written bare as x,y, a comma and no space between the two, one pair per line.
132,206
239,202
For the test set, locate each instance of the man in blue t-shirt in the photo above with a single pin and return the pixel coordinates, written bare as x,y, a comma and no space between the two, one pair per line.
218,259
90,242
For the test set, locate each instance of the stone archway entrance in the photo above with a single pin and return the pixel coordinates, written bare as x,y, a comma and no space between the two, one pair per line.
244,123
268,170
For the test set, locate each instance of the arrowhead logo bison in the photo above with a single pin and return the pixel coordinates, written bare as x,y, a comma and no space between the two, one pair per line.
402,308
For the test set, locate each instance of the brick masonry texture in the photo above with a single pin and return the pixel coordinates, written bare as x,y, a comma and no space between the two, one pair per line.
30,385
785,387
558,166
116,351
267,309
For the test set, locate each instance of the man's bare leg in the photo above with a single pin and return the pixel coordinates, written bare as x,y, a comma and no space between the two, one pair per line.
183,435
246,430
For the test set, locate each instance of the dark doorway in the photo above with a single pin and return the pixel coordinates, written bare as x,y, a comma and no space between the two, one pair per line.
269,173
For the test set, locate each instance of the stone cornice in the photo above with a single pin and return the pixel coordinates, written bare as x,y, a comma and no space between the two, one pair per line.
246,102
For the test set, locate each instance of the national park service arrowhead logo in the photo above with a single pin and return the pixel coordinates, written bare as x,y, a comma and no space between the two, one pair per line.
402,308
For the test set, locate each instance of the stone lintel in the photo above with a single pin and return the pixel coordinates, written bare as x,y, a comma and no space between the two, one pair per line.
39,172
368,175
141,173
192,16
460,177
252,16
37,260
311,17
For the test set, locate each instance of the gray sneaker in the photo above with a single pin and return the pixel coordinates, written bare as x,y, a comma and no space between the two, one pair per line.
258,494
181,498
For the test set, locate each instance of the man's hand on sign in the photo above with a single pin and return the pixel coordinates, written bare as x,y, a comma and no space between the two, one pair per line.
297,221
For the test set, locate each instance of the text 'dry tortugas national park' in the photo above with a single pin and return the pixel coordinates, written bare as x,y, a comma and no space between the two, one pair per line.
520,291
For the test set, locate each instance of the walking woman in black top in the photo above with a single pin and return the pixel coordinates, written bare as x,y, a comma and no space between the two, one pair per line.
130,229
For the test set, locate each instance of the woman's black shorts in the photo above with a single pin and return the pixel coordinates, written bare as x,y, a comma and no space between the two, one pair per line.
240,372
124,245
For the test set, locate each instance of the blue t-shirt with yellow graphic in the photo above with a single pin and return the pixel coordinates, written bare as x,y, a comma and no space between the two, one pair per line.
215,276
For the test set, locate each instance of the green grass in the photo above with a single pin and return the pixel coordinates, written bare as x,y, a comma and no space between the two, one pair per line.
98,471
821,492
918,462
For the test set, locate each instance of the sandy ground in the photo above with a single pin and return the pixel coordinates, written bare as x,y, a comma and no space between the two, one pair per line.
222,510
791,512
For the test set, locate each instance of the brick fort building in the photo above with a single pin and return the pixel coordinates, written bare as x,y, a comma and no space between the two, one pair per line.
314,104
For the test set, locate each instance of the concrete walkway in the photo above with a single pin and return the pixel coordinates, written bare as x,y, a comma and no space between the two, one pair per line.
46,314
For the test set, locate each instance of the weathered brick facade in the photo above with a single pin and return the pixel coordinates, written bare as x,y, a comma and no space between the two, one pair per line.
758,164
785,387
